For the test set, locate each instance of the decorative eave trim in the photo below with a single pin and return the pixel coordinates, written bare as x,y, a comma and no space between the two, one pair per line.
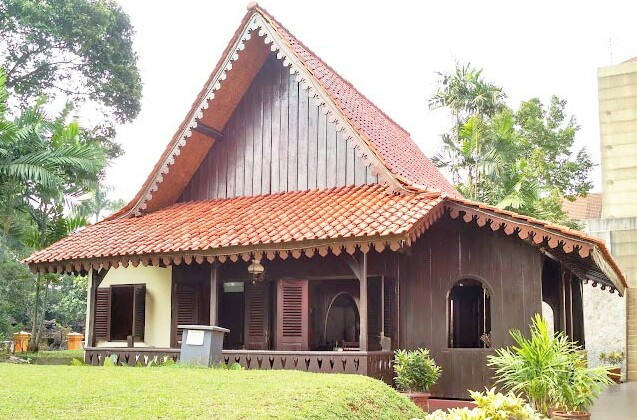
246,253
326,104
540,236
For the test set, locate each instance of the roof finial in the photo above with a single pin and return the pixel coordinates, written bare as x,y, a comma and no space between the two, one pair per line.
253,5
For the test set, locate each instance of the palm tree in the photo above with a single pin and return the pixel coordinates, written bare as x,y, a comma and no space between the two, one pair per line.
46,168
472,102
98,204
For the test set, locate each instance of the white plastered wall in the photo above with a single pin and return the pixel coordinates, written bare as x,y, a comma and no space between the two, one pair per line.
158,281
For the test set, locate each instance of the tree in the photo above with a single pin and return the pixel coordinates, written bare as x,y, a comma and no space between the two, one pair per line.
81,50
471,100
78,47
98,204
47,167
519,160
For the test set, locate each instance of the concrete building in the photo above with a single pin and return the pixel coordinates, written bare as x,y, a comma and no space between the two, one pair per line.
613,325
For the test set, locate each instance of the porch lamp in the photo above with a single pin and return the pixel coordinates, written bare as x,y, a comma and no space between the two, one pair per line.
256,269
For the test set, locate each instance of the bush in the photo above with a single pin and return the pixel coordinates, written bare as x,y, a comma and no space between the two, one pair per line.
549,370
490,406
415,370
612,358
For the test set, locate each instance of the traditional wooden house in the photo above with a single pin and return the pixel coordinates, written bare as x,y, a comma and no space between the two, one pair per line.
291,210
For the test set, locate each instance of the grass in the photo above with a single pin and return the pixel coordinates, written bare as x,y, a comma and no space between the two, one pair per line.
69,392
59,357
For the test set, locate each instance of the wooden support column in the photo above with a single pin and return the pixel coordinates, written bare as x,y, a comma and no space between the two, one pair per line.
96,280
562,302
214,293
363,302
568,282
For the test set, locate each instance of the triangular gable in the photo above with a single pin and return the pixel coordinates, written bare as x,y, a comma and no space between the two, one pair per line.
378,140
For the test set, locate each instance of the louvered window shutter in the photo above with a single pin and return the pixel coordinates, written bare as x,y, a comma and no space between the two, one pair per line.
103,314
390,308
292,315
186,306
139,312
256,316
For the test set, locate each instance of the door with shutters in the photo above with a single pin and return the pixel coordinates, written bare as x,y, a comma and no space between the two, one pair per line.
190,306
292,317
257,316
390,311
190,298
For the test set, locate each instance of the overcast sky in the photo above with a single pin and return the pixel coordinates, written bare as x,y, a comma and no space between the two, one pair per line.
389,50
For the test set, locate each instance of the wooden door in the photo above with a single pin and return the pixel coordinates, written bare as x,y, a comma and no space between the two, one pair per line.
257,326
390,311
292,319
190,299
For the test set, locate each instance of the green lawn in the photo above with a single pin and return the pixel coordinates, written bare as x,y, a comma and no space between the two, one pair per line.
36,391
55,357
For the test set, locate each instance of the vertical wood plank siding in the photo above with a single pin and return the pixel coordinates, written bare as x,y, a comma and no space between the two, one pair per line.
448,252
277,140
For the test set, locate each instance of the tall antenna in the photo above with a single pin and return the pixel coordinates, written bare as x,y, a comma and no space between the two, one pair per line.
610,48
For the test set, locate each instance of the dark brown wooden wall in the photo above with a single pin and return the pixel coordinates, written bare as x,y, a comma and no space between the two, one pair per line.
276,140
452,250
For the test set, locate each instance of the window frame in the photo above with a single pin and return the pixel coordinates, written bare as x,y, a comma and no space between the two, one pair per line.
485,320
135,287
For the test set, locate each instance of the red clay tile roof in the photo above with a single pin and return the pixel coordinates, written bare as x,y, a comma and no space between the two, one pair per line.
293,217
284,221
584,208
391,142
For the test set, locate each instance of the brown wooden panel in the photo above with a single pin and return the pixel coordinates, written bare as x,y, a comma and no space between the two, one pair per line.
277,139
266,134
293,133
256,316
450,251
139,312
303,140
283,97
103,314
251,122
292,315
312,144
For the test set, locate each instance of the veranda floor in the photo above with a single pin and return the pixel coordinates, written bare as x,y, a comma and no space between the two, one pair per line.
618,402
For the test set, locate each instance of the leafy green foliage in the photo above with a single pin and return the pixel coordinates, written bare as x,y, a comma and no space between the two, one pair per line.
549,370
15,291
615,357
82,49
521,160
47,167
415,370
490,406
96,392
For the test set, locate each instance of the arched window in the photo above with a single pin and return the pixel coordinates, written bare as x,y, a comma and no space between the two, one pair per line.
469,315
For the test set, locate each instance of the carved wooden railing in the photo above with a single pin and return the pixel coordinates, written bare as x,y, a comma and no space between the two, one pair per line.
376,364
130,356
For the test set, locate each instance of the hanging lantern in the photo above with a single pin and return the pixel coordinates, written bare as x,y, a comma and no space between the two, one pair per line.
256,270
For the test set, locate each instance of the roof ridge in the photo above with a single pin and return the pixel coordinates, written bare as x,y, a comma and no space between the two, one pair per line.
267,15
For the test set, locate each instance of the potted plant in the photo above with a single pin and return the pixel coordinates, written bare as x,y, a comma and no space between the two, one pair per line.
416,372
613,358
550,371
